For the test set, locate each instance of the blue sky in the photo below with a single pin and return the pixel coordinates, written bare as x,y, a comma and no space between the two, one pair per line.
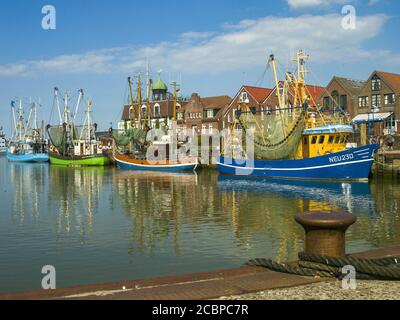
213,46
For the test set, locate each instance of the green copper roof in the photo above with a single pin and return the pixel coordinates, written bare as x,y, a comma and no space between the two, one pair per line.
159,85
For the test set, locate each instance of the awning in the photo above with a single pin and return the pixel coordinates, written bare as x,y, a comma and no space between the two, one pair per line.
371,117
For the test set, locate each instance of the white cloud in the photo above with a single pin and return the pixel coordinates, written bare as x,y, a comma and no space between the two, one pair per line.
297,4
243,45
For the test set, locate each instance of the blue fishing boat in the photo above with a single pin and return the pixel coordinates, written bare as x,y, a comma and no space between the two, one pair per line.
27,156
350,164
296,141
28,143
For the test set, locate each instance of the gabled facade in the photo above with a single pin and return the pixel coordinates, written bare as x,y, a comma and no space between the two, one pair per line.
341,95
381,94
254,97
202,115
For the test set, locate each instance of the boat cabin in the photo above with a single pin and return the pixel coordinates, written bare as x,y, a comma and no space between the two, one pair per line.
319,141
87,148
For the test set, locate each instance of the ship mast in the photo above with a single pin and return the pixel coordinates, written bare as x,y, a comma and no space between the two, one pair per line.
175,101
20,124
139,100
133,115
278,92
148,96
58,104
300,94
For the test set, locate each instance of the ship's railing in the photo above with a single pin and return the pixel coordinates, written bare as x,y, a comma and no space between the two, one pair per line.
326,120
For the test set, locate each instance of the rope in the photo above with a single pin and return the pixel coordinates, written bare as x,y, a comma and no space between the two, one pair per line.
387,268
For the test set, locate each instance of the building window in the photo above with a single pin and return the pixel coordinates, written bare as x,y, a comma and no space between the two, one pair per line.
326,103
144,111
130,112
210,128
375,83
335,98
343,103
389,98
210,113
376,101
157,110
203,129
180,115
363,102
243,97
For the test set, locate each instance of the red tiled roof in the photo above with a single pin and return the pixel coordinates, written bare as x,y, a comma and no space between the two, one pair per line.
315,92
258,93
393,79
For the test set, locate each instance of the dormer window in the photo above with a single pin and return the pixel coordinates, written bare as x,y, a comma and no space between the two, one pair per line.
376,83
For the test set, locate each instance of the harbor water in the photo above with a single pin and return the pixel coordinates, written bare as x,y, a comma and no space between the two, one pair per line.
97,225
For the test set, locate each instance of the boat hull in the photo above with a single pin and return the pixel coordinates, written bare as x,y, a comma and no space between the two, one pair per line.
33,157
350,164
96,160
125,162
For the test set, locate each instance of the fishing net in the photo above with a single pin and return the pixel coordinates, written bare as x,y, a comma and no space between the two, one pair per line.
276,134
123,138
83,132
57,136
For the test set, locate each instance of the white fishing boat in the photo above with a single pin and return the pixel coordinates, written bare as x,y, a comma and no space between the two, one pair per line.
27,143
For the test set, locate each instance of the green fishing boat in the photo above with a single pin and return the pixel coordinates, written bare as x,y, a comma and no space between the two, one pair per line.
95,160
73,145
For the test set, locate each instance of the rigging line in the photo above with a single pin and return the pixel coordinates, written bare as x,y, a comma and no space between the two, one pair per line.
330,96
262,77
120,114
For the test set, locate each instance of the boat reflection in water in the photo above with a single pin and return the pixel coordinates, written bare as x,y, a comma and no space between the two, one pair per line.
155,203
352,196
29,186
275,203
75,197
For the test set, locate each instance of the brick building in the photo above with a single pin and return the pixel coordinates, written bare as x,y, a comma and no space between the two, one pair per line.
254,97
341,95
161,107
201,115
379,104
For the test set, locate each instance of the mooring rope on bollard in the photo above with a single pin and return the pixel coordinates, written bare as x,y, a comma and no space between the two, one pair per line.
387,268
